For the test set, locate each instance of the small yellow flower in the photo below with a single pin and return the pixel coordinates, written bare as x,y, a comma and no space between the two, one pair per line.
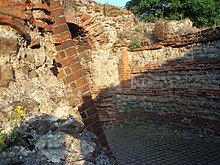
20,110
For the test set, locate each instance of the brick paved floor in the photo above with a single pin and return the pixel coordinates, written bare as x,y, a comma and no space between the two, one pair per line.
157,145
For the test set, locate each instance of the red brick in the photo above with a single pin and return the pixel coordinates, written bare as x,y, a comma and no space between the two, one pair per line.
79,106
78,74
57,12
48,28
42,24
60,20
55,4
18,23
73,85
87,106
60,74
78,94
57,40
84,89
60,29
81,82
83,115
69,79
68,61
72,77
76,67
71,51
66,35
59,47
62,55
87,97
13,12
90,120
89,128
57,58
67,71
96,125
92,110
98,131
67,44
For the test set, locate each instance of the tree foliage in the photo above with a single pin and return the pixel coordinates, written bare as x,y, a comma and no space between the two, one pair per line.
201,12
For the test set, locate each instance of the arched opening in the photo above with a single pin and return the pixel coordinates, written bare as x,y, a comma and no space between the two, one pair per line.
80,37
75,30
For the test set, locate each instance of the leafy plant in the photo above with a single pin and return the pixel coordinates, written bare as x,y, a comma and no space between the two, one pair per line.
135,43
10,134
2,141
201,12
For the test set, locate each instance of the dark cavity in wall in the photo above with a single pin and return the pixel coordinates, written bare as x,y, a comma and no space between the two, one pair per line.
80,37
75,30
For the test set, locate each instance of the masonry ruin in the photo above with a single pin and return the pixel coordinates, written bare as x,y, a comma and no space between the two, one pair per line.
172,79
71,66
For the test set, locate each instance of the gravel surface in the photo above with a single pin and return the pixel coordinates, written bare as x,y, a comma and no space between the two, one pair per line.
159,145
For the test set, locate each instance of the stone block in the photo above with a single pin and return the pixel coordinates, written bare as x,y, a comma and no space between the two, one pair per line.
6,72
32,74
7,46
22,72
4,83
35,41
164,29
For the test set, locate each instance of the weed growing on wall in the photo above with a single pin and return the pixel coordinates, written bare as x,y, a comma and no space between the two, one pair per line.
8,135
135,43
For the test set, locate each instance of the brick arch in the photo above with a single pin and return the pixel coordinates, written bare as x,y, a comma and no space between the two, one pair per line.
14,23
19,14
72,74
13,14
52,19
93,29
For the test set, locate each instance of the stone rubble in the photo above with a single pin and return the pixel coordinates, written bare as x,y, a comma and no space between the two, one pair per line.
51,130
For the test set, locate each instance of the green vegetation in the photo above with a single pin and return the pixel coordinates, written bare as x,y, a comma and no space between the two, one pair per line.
8,135
2,141
201,12
135,43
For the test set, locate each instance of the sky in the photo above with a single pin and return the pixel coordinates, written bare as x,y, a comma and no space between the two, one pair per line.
119,3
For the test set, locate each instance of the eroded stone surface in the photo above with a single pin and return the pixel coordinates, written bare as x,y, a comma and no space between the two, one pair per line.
37,106
168,29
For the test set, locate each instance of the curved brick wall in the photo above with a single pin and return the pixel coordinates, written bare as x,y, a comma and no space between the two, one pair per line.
183,90
174,85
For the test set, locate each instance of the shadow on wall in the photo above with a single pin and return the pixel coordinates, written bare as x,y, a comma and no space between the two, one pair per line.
48,140
182,91
91,119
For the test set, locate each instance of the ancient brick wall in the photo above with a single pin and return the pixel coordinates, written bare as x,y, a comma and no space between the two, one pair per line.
172,85
176,85
174,80
66,66
72,73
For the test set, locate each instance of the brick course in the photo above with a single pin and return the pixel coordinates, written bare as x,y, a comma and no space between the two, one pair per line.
72,73
183,90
